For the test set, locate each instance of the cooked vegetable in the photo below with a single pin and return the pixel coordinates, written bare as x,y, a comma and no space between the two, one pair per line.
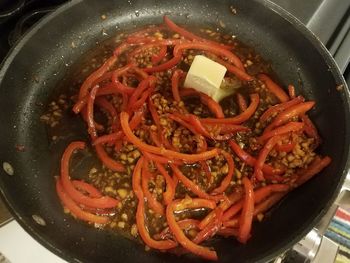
174,166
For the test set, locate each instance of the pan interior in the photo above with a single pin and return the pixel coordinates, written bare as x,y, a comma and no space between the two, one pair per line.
46,55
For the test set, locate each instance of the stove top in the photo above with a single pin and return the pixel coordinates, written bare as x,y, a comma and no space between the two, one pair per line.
328,19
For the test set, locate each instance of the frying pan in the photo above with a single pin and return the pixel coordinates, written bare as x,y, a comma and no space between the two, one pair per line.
297,56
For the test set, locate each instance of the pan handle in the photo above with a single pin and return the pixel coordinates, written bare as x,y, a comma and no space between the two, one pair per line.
5,215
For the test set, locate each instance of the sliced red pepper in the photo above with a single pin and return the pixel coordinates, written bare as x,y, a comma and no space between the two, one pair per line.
228,232
75,210
242,104
191,185
275,109
286,115
161,159
250,160
264,152
246,218
244,116
201,251
140,213
88,188
185,224
274,88
124,117
189,35
77,196
151,199
161,54
310,129
259,195
268,203
227,180
219,51
108,161
238,72
175,84
90,113
107,106
211,229
224,205
169,193
213,106
289,127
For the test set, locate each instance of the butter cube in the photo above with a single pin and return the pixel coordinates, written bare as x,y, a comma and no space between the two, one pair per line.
205,75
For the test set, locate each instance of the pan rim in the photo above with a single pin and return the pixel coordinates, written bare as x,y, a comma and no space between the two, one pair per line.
298,25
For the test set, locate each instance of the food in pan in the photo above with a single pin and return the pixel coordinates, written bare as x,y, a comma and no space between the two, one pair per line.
196,141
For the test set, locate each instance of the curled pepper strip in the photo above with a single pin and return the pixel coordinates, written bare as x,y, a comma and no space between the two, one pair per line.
88,188
314,168
174,27
227,180
201,251
286,115
72,192
275,109
246,218
151,199
211,229
259,195
264,152
175,84
140,213
268,203
244,116
242,104
289,127
224,205
75,210
250,160
239,73
191,185
169,193
124,117
274,88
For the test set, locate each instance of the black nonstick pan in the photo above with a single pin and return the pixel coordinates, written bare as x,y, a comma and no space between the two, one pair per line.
46,52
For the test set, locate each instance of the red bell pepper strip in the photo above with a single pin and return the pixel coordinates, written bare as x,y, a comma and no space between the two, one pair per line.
108,161
231,223
244,116
246,218
224,205
152,202
141,90
161,159
227,180
88,188
140,213
191,185
174,27
211,229
213,106
288,147
250,160
219,51
90,113
289,113
107,106
175,84
238,72
228,232
289,127
201,251
274,88
75,210
166,65
310,129
161,54
242,104
169,193
264,152
275,109
185,224
268,203
77,196
124,117
259,195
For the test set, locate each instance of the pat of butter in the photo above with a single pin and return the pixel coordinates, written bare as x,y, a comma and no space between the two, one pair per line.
205,75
